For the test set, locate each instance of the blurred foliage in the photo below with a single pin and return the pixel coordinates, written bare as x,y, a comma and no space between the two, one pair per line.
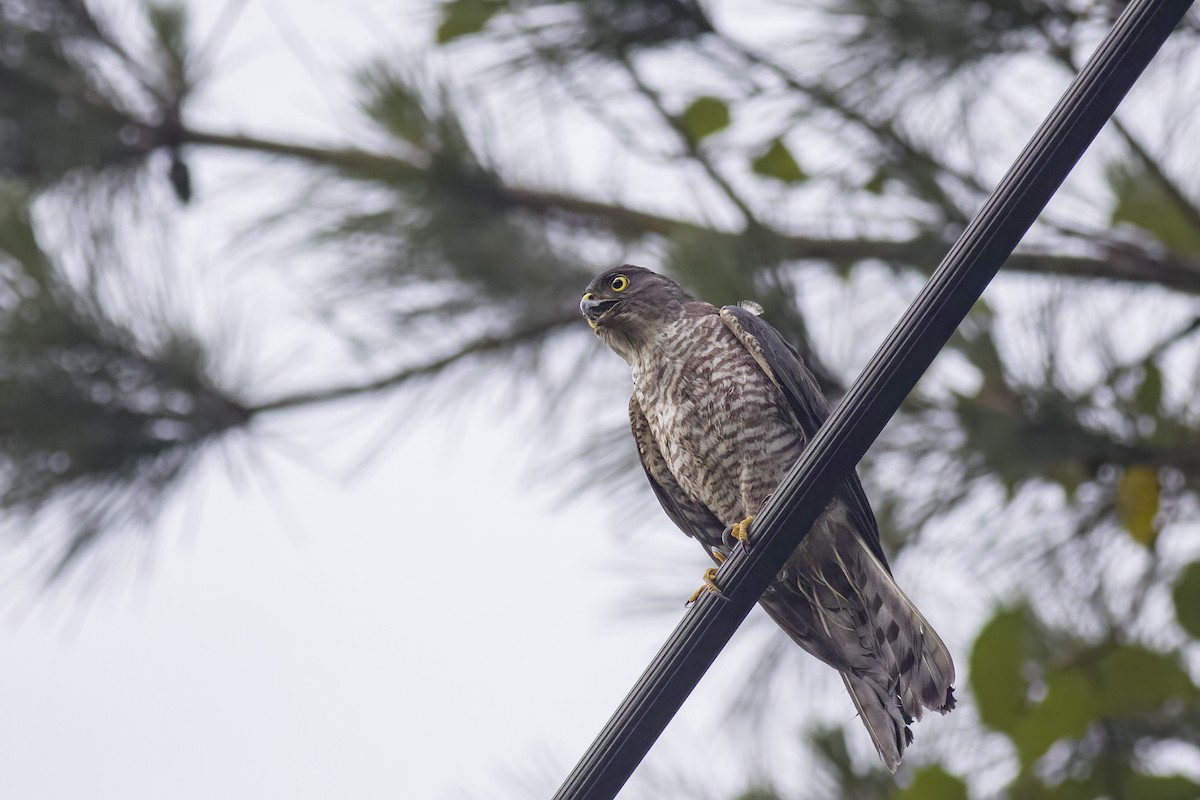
1187,599
933,783
448,247
95,420
819,163
1142,202
76,99
1080,714
1080,688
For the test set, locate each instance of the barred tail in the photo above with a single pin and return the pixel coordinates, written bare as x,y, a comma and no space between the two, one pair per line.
882,717
913,653
918,672
843,606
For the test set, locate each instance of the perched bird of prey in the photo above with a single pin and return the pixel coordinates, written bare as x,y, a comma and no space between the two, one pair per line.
721,409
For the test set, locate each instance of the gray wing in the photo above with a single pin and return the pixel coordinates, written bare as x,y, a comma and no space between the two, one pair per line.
782,363
693,518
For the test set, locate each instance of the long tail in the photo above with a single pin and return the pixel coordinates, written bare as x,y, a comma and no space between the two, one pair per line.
882,717
846,609
918,672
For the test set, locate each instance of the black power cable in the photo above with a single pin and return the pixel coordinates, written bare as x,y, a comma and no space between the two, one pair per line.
891,374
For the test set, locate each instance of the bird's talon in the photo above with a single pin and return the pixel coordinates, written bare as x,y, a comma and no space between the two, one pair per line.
709,585
741,531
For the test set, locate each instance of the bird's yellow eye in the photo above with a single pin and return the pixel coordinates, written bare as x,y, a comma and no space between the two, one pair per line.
619,283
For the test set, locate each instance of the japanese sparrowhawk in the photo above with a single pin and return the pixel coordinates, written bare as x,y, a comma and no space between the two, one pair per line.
722,407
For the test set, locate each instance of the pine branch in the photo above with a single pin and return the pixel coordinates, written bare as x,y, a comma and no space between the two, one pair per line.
1017,448
1126,265
516,338
353,160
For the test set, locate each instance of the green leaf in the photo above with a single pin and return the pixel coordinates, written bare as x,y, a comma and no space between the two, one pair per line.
1137,503
995,669
1161,787
1141,202
1187,599
1133,680
705,116
1132,785
1149,393
933,783
1108,683
464,17
1085,789
1067,710
877,182
759,794
777,162
17,238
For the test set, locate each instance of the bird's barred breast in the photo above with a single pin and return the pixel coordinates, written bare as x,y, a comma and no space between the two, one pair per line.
722,425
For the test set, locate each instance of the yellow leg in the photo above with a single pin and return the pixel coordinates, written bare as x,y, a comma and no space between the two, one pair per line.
709,585
741,531
710,576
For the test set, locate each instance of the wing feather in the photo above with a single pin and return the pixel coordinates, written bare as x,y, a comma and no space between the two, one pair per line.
783,365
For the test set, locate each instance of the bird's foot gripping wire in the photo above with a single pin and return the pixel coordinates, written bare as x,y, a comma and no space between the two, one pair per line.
709,585
710,577
740,532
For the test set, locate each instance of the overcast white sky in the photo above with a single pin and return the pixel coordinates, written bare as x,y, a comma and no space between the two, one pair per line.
302,634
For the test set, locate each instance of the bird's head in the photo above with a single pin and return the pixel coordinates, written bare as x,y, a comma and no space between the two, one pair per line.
630,306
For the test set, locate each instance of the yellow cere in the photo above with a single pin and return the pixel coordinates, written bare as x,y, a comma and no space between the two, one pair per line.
620,283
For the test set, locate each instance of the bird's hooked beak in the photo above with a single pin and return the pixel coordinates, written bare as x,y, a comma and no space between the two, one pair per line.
593,309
